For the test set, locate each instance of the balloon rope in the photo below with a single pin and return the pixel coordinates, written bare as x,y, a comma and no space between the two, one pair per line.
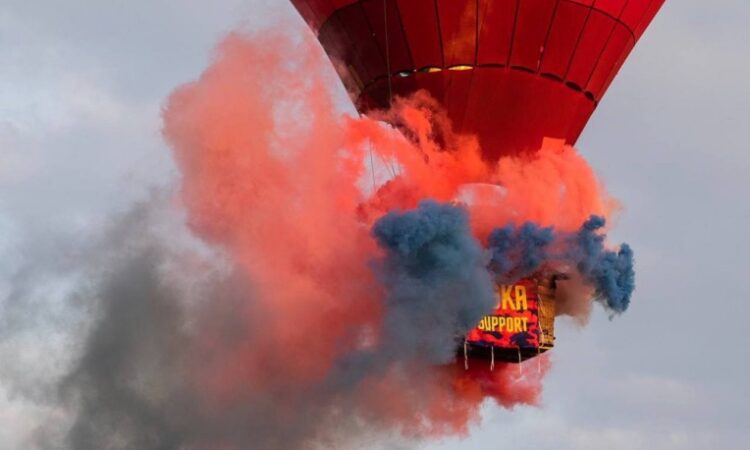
538,359
540,335
372,167
520,370
466,355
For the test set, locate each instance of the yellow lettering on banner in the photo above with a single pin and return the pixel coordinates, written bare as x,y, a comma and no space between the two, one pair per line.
507,300
508,324
521,302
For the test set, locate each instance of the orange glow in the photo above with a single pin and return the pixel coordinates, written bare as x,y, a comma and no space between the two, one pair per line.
461,67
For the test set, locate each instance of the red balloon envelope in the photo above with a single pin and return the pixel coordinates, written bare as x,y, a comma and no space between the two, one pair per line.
511,71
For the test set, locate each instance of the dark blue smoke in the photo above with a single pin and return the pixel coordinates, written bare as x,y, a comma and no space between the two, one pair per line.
436,279
518,252
611,273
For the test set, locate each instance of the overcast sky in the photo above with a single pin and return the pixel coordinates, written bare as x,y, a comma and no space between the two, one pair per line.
82,84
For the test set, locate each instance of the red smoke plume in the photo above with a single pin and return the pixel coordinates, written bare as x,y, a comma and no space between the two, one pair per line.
275,175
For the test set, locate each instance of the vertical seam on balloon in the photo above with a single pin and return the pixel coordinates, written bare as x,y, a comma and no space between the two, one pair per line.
480,25
447,85
604,13
604,48
474,67
513,33
387,52
616,67
621,59
372,33
476,36
404,37
578,41
645,14
546,37
440,34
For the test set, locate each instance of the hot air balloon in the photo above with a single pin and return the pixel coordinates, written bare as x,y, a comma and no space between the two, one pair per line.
511,72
